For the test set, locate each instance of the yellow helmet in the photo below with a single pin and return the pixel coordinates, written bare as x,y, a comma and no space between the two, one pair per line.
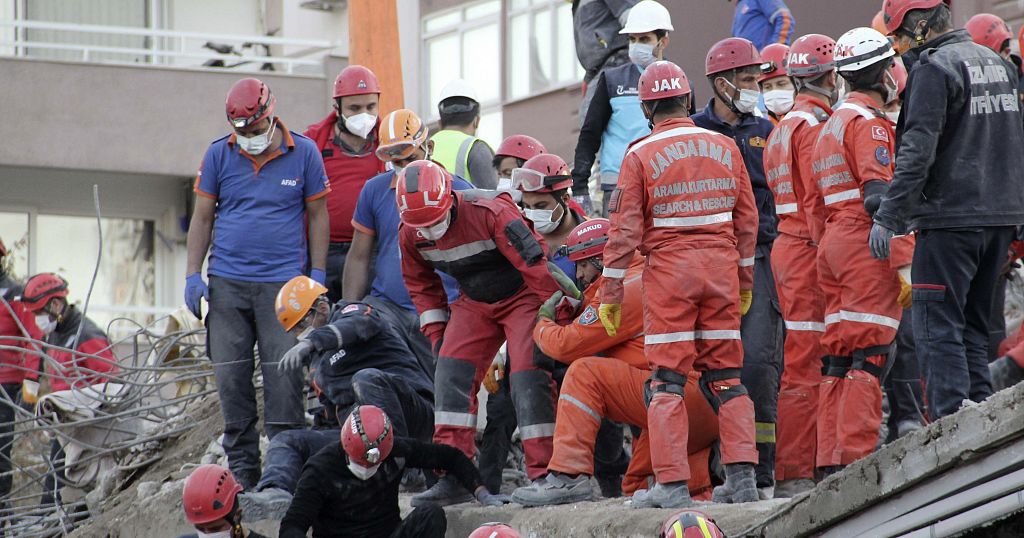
295,299
400,133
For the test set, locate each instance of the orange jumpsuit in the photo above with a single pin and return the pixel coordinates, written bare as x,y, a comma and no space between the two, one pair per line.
684,198
612,386
787,162
861,312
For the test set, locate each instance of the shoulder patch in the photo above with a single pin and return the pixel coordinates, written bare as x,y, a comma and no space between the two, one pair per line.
350,308
882,155
758,142
879,133
588,317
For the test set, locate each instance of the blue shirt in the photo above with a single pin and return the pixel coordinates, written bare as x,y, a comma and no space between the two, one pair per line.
259,233
377,215
763,22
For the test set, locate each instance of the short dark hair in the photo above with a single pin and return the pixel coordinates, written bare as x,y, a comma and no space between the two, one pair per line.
671,105
869,78
658,34
458,111
496,161
939,19
730,75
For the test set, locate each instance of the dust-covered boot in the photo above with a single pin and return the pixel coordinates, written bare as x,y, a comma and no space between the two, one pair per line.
1005,373
445,492
785,489
671,495
555,488
740,485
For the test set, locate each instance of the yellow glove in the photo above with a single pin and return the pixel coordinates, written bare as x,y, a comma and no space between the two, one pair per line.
905,298
495,373
746,297
30,391
610,316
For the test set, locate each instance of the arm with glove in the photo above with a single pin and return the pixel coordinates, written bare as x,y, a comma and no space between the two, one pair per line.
626,213
355,324
745,220
425,288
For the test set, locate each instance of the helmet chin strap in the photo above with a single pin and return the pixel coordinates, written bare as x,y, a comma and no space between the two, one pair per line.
828,94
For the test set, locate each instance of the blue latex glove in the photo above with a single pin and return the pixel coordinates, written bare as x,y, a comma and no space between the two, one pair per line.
319,275
879,241
195,289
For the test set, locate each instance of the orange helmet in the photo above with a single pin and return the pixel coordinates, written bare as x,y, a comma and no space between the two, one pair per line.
401,132
295,299
878,23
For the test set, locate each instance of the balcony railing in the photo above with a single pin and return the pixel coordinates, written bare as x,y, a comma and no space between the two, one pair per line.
169,47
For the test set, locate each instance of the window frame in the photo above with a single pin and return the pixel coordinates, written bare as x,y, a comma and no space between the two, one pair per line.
551,8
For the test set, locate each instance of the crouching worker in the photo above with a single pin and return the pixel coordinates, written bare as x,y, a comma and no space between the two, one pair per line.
607,386
211,505
356,357
350,488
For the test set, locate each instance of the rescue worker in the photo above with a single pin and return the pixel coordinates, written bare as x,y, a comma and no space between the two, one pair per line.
210,500
733,66
763,22
699,236
599,45
240,195
356,357
965,217
456,146
494,530
776,86
347,142
614,118
605,380
852,164
544,182
80,357
403,140
513,152
787,162
690,524
499,264
350,488
990,31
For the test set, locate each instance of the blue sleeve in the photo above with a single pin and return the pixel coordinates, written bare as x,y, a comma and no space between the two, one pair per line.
363,215
781,19
459,184
315,182
208,178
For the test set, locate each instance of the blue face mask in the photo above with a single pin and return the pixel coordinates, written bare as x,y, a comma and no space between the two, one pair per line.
642,54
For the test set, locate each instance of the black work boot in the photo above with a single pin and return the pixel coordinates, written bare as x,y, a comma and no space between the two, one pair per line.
1005,373
740,485
446,491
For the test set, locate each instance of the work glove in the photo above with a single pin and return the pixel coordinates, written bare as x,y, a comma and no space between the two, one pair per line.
29,391
319,275
746,298
585,203
485,498
296,357
495,373
905,298
195,289
611,317
568,285
547,310
879,241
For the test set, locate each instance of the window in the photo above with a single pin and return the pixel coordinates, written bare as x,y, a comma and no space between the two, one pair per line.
129,13
541,47
14,234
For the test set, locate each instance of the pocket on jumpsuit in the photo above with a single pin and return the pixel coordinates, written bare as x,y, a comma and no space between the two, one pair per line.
928,296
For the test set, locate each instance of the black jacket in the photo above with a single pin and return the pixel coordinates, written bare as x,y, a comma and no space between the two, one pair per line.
961,141
357,337
331,500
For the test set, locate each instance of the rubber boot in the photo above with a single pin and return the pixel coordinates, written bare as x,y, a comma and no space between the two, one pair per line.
740,485
671,495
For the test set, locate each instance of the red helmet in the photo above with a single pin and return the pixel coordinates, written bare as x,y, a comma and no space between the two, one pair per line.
731,53
355,80
588,239
523,147
773,61
544,173
811,55
988,30
495,530
424,193
249,101
691,524
209,494
41,288
367,436
895,10
899,71
663,79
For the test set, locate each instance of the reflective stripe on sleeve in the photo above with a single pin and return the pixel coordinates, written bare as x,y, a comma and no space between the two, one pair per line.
851,194
785,209
689,222
610,272
436,315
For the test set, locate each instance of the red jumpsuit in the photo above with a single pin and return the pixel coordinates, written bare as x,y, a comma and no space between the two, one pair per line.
499,263
684,198
612,386
91,365
861,312
787,162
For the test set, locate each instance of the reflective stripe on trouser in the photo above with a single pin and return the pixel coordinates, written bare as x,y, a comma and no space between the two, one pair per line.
763,339
596,388
475,333
691,317
794,263
860,313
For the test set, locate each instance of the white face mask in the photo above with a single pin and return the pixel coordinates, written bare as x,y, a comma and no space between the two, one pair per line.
894,117
504,184
436,231
218,534
779,102
543,219
641,54
891,87
362,473
45,324
254,145
746,101
360,124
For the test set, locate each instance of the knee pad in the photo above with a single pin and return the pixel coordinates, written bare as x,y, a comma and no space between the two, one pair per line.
835,365
720,386
664,380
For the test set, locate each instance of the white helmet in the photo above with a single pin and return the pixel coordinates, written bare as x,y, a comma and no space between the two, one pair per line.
647,16
860,48
458,88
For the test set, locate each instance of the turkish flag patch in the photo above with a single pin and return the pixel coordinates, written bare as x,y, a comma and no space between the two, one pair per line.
878,133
